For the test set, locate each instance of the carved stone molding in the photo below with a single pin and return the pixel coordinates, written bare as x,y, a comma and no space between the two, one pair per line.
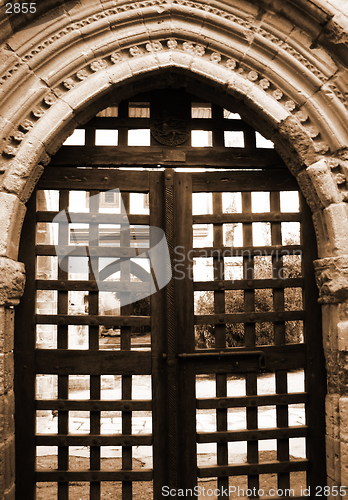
243,20
339,168
332,279
12,281
302,122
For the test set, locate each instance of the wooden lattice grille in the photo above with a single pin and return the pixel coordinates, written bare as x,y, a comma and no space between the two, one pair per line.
241,306
69,304
252,356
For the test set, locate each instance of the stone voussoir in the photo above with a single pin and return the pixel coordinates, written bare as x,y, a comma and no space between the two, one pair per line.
336,220
324,183
12,212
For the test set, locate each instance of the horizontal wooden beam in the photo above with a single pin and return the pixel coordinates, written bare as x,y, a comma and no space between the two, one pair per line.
93,218
247,251
94,405
113,123
94,440
84,362
252,434
73,178
278,180
94,476
87,319
92,251
253,468
87,156
247,284
248,317
92,286
246,217
252,401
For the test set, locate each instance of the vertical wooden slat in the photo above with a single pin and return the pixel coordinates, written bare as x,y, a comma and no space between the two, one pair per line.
218,133
316,384
24,381
171,337
220,339
279,339
62,343
158,347
90,136
249,138
123,132
185,333
249,329
93,343
126,381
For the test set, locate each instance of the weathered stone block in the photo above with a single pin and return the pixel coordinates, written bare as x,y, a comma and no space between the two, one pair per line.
6,372
12,283
342,331
306,185
27,157
332,416
204,68
6,329
333,371
90,89
20,102
337,28
343,406
332,278
7,414
76,57
323,242
332,458
12,212
48,129
139,65
28,187
299,139
335,132
28,37
7,463
336,217
324,183
257,100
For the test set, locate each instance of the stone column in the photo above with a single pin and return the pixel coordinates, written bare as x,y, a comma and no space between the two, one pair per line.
332,279
11,289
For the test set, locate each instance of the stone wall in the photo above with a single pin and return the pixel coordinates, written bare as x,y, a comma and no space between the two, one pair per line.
285,61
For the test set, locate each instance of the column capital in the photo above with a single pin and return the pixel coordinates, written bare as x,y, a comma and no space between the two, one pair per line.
332,279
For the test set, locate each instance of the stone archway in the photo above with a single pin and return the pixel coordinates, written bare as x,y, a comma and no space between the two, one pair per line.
288,69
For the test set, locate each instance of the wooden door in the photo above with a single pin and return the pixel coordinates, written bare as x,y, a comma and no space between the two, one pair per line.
83,355
254,316
218,374
249,351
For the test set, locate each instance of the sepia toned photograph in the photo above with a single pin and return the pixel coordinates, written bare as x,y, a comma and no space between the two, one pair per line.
173,249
